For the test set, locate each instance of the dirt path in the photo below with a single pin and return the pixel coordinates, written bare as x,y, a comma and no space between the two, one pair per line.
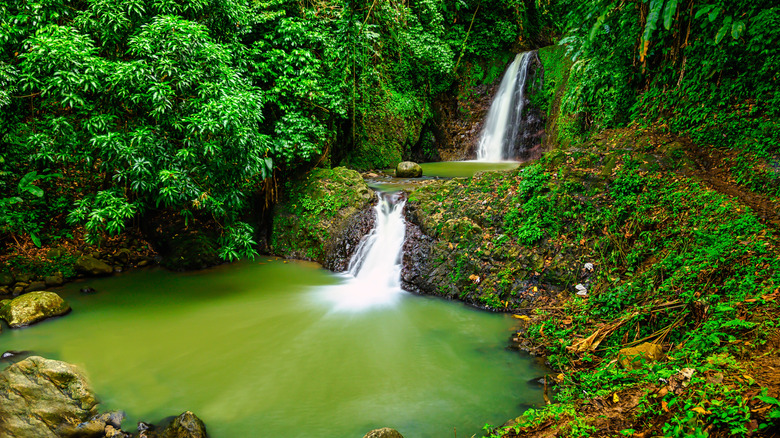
711,168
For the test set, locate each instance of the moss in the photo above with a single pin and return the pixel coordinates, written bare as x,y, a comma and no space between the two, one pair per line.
563,130
389,131
313,208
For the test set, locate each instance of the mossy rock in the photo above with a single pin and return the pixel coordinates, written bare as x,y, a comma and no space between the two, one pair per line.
89,265
33,307
46,398
408,169
186,425
314,209
460,229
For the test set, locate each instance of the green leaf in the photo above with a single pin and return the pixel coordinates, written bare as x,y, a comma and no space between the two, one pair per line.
28,178
652,23
714,14
767,399
669,11
35,239
737,29
34,190
723,30
703,10
597,25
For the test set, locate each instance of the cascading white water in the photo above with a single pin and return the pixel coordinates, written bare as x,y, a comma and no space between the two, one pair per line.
374,274
505,114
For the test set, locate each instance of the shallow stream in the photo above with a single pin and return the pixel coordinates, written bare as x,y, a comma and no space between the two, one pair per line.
265,348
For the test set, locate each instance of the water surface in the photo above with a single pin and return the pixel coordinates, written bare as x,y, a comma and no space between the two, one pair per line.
258,349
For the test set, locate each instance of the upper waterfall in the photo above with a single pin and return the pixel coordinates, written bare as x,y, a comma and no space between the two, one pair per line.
504,119
374,273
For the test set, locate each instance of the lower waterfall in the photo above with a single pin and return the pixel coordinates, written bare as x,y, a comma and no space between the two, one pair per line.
374,274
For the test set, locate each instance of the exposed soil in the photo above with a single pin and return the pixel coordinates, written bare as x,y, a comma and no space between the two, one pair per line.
711,168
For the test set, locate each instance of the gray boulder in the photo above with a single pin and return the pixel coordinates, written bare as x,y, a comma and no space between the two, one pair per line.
408,169
33,307
186,425
41,398
89,265
384,432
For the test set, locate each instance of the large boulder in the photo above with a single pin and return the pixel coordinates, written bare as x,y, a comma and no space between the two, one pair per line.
33,307
41,398
89,265
408,169
315,209
186,425
384,432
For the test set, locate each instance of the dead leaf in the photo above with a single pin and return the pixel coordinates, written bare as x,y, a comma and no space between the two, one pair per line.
701,410
664,406
615,398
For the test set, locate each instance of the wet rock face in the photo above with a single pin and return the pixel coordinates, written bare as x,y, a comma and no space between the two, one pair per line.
415,266
339,249
530,136
41,398
33,307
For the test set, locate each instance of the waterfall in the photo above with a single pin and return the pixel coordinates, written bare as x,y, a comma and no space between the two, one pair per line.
504,118
374,274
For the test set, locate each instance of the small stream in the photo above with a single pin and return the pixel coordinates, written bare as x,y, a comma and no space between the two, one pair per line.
254,350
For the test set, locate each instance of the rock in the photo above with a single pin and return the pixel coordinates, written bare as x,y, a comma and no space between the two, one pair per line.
5,290
143,427
6,278
460,229
186,425
41,398
113,418
33,307
113,432
635,357
87,290
384,432
35,286
10,354
18,290
55,253
408,169
55,279
122,255
23,277
89,265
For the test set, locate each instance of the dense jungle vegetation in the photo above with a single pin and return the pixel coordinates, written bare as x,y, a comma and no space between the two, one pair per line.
114,109
115,112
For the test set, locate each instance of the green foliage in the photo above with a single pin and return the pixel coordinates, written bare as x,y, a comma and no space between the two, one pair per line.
704,70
